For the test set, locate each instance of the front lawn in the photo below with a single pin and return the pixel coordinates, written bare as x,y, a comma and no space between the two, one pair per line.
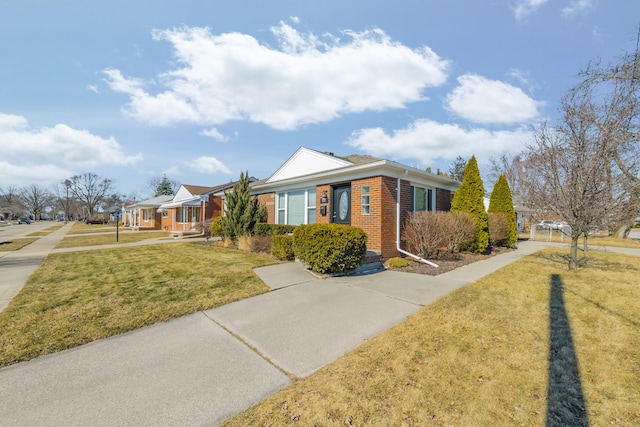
109,239
77,297
531,344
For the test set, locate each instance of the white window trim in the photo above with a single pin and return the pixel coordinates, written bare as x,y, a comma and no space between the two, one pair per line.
362,204
285,209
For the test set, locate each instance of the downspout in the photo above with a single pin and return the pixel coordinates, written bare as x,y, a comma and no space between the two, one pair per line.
398,228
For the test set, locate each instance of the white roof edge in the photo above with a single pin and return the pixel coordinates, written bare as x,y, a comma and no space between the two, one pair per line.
356,169
311,151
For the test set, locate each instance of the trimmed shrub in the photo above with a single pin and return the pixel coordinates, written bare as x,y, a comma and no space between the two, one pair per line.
264,229
424,233
261,244
397,262
330,248
460,230
216,227
498,229
282,247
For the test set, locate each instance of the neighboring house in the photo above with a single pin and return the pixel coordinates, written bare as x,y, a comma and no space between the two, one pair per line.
315,187
144,215
192,208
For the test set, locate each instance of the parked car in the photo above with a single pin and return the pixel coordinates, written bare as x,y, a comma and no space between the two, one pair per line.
24,220
94,221
548,224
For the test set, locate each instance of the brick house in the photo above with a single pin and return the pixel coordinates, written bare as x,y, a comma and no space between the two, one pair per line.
192,208
315,187
144,215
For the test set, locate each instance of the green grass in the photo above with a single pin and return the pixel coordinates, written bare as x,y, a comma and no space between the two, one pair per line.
481,356
15,244
78,297
109,239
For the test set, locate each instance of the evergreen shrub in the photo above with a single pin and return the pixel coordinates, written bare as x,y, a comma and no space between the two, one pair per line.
397,262
264,229
282,247
216,227
470,198
502,202
330,248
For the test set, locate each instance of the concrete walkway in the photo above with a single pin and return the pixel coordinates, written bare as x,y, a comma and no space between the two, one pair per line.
17,266
203,368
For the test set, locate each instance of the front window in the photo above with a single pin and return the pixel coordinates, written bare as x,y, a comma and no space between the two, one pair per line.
188,214
366,200
297,207
422,199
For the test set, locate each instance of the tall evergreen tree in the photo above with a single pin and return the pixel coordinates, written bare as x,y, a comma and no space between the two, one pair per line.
502,202
470,198
164,187
241,210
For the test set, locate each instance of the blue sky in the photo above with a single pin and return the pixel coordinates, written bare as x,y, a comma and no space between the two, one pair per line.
203,90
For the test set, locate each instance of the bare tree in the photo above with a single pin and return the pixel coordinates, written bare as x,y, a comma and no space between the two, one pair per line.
10,199
617,88
64,197
574,175
90,189
35,199
456,170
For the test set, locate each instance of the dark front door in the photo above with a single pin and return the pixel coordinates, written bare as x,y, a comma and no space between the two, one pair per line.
341,203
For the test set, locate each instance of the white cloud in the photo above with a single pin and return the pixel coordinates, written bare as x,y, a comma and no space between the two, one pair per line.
208,165
172,171
481,100
427,141
55,151
93,88
215,134
307,79
576,7
524,8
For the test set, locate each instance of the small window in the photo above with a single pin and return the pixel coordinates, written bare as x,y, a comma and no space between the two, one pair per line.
366,200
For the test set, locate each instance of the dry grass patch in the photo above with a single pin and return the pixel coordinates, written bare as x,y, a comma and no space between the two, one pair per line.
482,355
109,239
46,231
613,242
74,298
15,244
80,227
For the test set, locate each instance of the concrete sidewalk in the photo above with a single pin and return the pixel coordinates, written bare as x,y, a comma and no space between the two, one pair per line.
204,368
17,266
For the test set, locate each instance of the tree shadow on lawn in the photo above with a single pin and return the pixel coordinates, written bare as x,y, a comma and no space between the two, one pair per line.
565,399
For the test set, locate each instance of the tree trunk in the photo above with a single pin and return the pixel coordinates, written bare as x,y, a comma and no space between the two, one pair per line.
586,241
573,255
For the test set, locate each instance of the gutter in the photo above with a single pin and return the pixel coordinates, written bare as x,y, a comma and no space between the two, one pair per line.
416,257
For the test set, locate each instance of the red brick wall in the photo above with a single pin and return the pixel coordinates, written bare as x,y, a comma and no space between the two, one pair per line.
268,200
380,223
369,223
319,194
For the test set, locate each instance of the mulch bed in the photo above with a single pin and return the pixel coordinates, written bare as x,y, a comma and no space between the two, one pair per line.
448,262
